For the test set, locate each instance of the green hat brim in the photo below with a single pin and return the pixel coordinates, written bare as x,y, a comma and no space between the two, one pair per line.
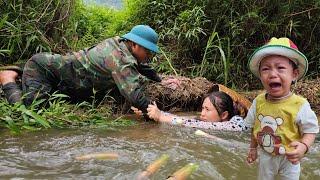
269,50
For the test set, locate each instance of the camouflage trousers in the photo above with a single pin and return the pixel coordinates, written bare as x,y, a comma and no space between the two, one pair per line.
45,73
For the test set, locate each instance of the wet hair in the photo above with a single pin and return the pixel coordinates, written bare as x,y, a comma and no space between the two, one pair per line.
222,102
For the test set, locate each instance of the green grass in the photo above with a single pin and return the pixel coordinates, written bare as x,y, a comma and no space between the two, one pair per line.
57,113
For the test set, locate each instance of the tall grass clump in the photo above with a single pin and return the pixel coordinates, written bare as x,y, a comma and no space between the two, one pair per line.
57,113
88,25
27,27
35,26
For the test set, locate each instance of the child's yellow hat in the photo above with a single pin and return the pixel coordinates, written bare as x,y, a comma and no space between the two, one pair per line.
283,47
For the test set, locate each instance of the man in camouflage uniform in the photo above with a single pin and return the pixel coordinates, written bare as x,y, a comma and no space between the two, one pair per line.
115,62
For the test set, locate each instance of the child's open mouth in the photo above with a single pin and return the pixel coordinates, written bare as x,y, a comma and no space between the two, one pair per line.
275,85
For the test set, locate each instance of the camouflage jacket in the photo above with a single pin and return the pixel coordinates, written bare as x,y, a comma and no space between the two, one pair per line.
109,64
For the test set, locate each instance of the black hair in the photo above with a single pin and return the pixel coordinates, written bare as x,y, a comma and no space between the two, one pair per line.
293,64
222,102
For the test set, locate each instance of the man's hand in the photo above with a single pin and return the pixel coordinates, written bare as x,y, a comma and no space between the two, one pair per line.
136,111
171,83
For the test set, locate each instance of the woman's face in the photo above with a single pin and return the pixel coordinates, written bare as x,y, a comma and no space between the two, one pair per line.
209,112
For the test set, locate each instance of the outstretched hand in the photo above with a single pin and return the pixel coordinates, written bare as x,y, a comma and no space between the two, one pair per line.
136,111
153,111
171,83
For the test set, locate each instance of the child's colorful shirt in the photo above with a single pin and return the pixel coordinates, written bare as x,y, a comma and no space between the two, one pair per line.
277,124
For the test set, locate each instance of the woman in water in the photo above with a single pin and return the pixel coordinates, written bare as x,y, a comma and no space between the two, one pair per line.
219,112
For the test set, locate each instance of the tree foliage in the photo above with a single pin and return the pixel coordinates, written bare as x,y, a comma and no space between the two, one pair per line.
27,27
198,38
240,26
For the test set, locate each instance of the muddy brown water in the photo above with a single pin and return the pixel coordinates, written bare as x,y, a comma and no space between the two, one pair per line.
50,154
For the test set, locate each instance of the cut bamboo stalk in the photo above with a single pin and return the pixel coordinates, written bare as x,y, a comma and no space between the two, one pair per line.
153,167
220,140
184,172
101,156
217,139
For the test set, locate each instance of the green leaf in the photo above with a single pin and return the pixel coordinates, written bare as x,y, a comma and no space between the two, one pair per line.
36,117
3,20
31,128
40,120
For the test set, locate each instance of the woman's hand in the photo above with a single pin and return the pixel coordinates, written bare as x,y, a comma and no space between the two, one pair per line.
252,155
153,111
136,111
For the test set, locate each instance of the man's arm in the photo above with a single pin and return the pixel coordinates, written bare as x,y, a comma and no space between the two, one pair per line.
127,81
148,72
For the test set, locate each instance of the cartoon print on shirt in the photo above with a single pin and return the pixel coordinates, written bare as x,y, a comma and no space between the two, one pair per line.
267,138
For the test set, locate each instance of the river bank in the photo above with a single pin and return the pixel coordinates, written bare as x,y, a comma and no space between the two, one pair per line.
188,97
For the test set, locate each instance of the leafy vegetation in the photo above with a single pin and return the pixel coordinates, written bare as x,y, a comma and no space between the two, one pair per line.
27,27
238,27
199,38
57,26
57,113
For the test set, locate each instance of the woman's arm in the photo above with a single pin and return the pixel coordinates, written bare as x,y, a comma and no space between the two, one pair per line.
236,123
160,116
155,113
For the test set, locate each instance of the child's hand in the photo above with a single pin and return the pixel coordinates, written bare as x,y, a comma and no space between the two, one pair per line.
252,155
298,152
136,111
153,111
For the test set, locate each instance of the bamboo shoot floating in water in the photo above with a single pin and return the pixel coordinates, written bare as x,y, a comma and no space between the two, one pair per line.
153,167
204,134
184,172
220,140
101,156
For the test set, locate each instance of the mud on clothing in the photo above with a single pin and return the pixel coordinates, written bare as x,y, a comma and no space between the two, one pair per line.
107,66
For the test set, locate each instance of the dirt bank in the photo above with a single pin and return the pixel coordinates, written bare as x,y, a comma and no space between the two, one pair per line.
188,97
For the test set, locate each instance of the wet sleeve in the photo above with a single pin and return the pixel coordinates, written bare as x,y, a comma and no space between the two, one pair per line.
234,124
127,80
307,120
